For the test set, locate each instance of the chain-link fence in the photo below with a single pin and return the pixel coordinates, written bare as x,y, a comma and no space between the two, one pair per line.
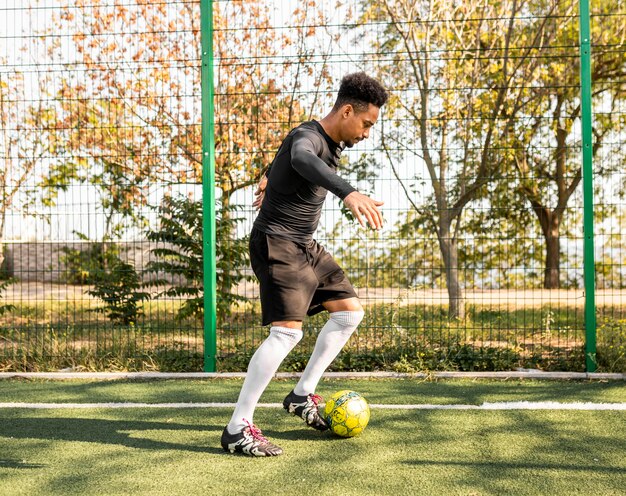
609,78
100,158
477,157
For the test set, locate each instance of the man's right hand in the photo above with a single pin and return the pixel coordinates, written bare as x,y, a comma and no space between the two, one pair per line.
260,193
364,209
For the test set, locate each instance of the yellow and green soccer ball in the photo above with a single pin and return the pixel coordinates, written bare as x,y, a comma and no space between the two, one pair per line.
347,413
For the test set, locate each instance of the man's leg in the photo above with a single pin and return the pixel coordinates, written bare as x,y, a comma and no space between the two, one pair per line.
263,365
345,316
241,434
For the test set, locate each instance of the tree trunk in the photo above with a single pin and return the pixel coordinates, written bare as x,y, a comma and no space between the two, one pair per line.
450,254
552,278
2,221
223,277
550,222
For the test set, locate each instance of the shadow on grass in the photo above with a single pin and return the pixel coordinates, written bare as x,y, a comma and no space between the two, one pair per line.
477,392
91,430
19,464
497,452
300,434
499,465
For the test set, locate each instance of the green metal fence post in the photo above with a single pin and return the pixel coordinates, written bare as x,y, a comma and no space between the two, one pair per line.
587,156
208,187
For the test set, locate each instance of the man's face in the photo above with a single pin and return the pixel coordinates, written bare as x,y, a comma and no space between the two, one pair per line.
356,125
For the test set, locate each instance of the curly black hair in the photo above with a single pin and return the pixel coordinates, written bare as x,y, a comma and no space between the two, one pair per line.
358,89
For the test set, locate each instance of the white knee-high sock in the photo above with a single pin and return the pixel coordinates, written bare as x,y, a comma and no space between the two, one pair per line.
332,338
262,367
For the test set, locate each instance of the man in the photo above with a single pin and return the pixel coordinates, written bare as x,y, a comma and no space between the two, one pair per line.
297,276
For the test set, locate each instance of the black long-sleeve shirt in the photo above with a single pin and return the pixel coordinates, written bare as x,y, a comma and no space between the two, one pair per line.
301,174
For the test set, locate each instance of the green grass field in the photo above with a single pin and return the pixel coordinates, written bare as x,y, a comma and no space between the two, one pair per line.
150,451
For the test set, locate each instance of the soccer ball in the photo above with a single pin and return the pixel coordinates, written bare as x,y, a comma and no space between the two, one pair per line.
347,413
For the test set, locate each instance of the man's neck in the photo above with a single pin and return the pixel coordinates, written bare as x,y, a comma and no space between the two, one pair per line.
329,124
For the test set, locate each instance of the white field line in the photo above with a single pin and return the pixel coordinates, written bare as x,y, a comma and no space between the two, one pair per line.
516,374
505,405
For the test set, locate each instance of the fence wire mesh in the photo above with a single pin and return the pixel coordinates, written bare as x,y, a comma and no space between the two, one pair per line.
99,119
476,156
609,81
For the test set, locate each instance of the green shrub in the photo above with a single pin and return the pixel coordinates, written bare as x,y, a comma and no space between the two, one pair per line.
119,289
611,346
181,230
3,286
5,266
89,264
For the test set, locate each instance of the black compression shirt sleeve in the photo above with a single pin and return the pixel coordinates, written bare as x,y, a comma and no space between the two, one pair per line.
305,161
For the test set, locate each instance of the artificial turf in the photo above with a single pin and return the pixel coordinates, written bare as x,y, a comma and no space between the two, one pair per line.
176,451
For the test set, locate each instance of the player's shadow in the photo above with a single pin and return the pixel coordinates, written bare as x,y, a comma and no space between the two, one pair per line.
306,434
132,434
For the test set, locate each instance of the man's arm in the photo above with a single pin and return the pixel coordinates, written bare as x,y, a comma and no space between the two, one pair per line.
305,161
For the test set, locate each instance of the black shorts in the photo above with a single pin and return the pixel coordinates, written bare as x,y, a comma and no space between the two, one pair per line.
295,278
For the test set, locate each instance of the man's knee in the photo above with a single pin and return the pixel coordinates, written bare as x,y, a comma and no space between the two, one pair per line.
348,320
345,305
287,334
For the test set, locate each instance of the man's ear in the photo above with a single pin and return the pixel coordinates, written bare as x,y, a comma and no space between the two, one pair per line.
346,110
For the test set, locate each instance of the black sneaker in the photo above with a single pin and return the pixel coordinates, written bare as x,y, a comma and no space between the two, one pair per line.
249,441
306,408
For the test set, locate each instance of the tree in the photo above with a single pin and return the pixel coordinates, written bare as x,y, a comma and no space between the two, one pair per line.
141,100
501,249
131,101
407,259
610,267
547,159
458,73
126,110
23,140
